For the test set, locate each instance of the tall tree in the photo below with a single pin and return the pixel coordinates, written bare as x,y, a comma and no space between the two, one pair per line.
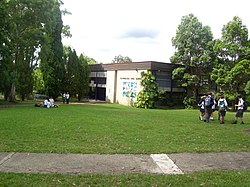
52,52
5,48
72,71
84,71
232,68
193,43
77,73
27,20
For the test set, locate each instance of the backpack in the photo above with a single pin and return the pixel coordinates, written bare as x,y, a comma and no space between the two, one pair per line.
221,105
208,101
245,105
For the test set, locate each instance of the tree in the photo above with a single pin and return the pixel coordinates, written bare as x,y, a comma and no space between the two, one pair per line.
72,70
121,59
26,20
232,67
193,43
31,32
52,52
38,86
84,71
77,73
88,59
5,50
247,88
149,94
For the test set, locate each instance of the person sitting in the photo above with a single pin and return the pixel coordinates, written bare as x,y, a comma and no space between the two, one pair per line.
46,103
52,102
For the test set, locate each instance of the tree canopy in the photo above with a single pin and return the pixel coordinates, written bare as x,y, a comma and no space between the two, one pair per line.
193,43
205,64
121,59
76,73
231,70
31,50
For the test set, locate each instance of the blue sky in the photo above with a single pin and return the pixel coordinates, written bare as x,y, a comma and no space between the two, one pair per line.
141,29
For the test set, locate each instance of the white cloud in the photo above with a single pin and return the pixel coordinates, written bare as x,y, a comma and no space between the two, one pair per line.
141,29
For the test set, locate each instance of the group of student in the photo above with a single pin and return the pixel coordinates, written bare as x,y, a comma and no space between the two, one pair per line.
49,103
65,98
208,105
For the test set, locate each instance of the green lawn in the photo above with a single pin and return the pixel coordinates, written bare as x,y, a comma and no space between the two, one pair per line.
116,129
111,128
199,179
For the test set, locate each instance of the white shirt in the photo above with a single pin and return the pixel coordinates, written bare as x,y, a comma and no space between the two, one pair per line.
240,104
51,100
202,104
213,107
46,103
67,96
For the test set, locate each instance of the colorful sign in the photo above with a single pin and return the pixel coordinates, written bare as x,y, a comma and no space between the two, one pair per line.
129,89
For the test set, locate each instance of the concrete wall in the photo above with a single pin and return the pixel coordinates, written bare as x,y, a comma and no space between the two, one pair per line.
123,86
110,86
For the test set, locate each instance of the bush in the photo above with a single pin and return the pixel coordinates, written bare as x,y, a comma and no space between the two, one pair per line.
148,96
189,102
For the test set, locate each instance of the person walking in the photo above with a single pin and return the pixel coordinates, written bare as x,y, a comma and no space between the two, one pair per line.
208,106
201,104
240,110
222,108
213,108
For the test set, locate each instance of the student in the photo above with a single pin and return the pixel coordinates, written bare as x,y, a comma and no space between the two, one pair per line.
201,104
64,97
67,97
240,110
222,108
52,102
46,103
208,106
213,108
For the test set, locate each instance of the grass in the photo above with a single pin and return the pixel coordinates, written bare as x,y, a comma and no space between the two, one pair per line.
116,129
206,179
112,128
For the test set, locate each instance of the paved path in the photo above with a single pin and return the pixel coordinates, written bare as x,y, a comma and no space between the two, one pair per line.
122,163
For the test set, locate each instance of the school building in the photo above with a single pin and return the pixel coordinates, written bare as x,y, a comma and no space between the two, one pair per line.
120,82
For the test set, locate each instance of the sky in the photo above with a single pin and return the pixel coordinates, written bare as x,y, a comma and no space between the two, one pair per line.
141,29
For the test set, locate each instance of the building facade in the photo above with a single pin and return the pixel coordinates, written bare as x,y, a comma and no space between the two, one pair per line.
120,82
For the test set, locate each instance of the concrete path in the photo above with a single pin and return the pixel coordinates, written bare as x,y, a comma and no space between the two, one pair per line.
122,163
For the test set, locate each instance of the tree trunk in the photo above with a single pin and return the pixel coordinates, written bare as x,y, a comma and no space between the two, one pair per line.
12,97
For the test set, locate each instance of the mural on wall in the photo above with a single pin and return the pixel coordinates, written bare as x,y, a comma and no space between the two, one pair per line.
129,89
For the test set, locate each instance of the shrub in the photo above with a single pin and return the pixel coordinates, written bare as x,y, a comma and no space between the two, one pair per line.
148,96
